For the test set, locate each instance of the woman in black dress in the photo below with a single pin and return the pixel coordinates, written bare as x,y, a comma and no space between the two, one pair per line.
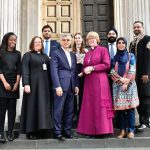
36,105
10,60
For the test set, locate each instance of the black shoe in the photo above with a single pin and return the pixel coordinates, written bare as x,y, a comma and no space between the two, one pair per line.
10,137
69,136
59,137
31,136
142,127
2,138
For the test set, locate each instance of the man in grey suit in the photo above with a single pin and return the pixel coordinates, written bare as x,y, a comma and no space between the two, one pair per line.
65,81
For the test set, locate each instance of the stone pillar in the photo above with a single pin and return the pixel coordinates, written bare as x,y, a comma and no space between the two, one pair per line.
77,16
30,21
10,18
128,11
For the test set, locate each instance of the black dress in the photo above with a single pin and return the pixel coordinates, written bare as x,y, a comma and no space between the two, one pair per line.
10,67
36,106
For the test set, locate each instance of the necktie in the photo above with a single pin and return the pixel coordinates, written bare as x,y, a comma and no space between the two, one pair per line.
46,48
112,54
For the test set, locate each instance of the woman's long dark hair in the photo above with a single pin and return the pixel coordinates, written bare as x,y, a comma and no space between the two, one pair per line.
74,49
4,45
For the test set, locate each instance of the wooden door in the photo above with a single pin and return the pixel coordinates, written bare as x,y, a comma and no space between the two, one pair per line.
97,15
62,15
58,14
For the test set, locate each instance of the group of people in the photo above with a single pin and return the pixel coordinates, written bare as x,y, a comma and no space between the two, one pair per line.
130,76
61,82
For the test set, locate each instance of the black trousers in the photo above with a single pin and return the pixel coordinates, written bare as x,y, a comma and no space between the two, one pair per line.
144,113
10,105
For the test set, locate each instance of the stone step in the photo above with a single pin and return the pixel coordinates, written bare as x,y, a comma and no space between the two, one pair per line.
22,143
49,134
141,140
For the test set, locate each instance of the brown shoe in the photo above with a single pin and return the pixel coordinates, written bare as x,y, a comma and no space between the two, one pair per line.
130,135
122,134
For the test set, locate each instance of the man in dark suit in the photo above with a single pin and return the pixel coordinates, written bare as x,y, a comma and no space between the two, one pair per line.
65,81
49,47
111,38
49,44
140,46
112,35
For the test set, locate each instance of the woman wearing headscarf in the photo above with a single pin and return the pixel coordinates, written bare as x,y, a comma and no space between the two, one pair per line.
10,70
125,95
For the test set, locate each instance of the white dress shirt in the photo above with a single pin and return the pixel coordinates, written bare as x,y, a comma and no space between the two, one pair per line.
68,56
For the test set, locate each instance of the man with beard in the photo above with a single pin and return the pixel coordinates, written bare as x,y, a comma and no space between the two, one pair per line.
49,47
49,44
140,46
111,37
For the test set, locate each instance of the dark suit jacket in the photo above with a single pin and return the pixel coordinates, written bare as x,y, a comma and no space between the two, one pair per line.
142,65
54,45
62,75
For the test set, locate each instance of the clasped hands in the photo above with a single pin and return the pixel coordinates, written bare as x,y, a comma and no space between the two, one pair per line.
8,87
88,70
125,82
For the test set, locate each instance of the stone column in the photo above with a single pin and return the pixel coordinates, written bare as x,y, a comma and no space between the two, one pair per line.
77,16
10,18
128,11
30,21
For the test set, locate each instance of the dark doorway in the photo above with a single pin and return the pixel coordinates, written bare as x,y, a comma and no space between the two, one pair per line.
97,15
